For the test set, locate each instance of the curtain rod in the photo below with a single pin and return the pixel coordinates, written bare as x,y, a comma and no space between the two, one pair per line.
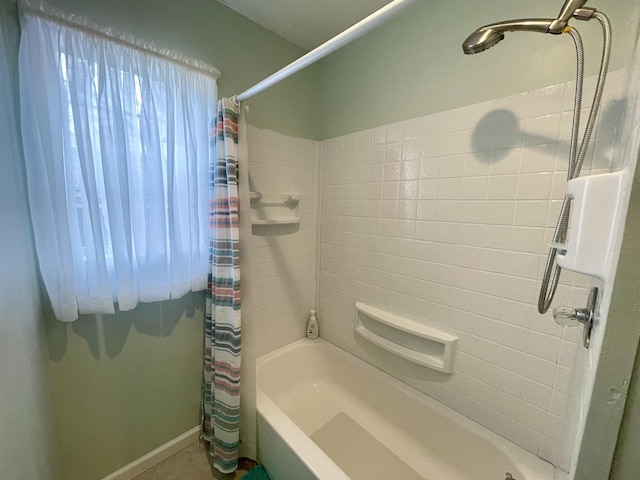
369,23
83,24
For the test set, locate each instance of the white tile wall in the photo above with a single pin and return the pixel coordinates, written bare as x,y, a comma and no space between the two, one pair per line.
283,258
278,263
445,219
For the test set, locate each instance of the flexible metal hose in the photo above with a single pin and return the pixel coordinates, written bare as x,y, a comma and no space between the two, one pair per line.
577,102
604,67
549,285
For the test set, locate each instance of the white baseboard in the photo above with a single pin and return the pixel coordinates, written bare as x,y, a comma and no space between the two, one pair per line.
153,458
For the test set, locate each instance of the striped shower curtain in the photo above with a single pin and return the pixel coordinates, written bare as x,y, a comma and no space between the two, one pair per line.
221,372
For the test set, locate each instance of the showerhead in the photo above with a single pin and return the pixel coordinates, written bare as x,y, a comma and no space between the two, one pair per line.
489,35
481,40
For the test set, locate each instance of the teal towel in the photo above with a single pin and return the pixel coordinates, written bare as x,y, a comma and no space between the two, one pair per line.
257,473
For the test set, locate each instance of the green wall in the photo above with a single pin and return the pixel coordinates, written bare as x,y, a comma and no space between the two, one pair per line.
125,384
625,317
414,65
243,51
28,449
626,461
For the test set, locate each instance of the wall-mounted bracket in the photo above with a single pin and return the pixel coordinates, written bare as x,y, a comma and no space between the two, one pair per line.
274,210
596,205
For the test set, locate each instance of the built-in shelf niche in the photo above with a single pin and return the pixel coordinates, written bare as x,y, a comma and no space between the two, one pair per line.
412,340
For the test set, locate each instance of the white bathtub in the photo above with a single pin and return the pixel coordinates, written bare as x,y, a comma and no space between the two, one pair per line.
368,425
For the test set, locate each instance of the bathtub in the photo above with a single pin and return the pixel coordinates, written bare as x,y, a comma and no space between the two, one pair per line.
325,414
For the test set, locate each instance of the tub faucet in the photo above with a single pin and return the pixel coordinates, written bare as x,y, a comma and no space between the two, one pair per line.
509,477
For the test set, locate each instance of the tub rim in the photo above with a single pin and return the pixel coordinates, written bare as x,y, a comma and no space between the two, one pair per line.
531,466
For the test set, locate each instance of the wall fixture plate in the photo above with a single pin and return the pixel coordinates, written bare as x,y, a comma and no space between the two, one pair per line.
572,317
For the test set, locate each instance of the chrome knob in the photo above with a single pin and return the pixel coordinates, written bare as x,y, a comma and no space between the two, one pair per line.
570,317
573,317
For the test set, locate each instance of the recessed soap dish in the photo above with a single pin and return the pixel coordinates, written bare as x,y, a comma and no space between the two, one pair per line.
414,341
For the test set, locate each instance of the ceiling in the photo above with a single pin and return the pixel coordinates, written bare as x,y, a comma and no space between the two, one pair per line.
307,23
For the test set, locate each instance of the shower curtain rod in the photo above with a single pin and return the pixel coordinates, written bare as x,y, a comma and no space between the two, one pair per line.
369,23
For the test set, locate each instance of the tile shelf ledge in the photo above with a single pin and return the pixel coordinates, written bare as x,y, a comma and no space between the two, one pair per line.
274,209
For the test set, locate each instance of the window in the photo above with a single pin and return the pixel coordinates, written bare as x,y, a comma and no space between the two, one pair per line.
117,150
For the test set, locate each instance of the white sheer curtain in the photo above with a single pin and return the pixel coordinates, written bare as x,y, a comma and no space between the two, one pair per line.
117,148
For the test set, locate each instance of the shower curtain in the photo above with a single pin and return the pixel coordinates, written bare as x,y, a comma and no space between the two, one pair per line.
221,372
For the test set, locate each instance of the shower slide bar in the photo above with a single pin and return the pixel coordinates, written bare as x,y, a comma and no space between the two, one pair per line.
352,33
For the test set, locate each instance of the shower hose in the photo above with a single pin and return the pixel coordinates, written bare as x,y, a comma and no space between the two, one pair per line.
576,157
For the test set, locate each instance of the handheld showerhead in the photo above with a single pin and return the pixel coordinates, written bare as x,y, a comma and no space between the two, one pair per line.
489,35
482,39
